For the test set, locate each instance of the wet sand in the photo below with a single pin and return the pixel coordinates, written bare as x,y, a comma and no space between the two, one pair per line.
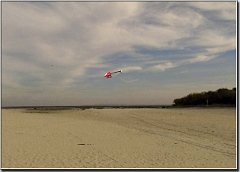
119,138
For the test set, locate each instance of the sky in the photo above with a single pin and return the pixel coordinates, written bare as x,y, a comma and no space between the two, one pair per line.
56,53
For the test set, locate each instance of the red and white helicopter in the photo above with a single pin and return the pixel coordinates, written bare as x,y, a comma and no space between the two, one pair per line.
109,74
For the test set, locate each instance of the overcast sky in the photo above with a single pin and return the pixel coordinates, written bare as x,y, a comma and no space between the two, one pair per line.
56,53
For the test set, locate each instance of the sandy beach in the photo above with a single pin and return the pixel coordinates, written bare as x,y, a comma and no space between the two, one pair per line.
119,138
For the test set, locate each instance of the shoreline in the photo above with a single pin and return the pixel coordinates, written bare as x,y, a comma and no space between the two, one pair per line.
117,107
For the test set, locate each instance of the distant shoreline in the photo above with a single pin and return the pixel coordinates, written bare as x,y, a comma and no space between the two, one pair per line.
88,106
115,107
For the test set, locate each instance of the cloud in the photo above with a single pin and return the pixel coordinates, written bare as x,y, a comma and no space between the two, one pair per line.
163,66
200,58
131,68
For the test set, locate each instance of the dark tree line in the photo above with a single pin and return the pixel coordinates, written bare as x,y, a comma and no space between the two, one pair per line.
222,96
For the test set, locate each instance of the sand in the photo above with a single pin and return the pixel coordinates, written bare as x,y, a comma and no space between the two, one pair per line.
119,138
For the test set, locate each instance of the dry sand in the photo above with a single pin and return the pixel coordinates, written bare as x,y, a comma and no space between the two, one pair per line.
119,138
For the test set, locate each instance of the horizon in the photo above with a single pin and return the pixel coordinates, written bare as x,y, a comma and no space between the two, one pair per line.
114,105
56,53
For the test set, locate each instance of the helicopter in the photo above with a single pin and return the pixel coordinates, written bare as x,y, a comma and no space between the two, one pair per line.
109,74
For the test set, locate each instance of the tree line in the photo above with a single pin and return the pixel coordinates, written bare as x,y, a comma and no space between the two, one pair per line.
222,96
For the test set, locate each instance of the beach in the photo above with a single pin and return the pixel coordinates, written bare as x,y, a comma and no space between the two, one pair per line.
119,138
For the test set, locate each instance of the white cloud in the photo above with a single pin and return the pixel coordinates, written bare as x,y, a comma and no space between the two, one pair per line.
211,6
199,58
216,41
131,68
163,66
